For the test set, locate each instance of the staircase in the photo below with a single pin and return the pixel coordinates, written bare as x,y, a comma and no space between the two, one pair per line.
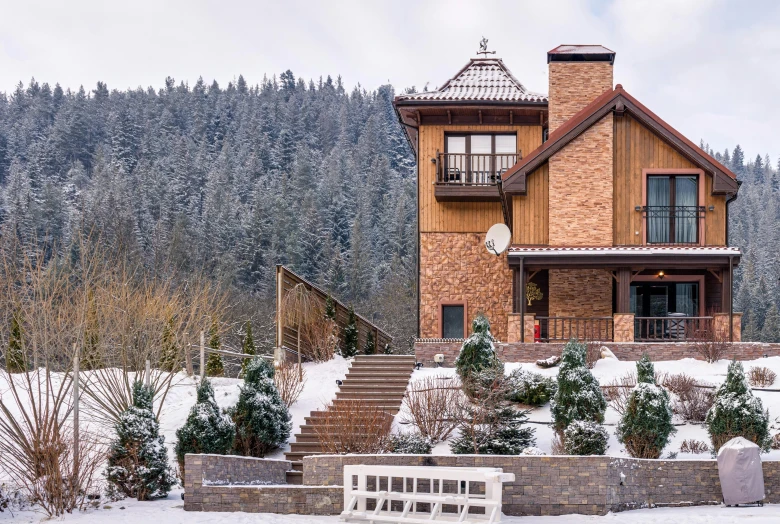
375,379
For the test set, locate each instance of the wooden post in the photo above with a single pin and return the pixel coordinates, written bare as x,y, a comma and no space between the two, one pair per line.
731,299
202,355
522,297
76,412
623,290
188,358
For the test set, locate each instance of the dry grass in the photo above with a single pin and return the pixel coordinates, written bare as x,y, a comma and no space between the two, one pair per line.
693,446
354,426
289,380
429,406
320,337
761,377
711,344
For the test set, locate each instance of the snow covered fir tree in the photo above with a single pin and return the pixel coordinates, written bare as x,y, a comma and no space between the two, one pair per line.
138,459
478,351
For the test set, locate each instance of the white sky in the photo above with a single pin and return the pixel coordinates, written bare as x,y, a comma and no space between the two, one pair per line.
711,68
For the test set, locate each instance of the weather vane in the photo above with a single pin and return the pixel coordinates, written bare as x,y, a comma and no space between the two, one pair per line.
483,48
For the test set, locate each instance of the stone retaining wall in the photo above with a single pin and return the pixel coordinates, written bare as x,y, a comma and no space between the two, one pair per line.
563,485
528,352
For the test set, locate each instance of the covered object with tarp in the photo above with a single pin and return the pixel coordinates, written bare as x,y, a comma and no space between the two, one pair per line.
741,476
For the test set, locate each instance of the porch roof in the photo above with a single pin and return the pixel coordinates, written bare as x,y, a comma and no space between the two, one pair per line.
624,256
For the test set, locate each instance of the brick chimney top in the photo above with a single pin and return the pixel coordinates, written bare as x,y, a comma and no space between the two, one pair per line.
581,53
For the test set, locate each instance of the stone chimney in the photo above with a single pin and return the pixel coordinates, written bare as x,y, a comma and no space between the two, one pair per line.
578,74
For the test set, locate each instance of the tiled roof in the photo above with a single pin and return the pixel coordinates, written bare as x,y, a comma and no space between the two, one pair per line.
580,50
482,79
624,250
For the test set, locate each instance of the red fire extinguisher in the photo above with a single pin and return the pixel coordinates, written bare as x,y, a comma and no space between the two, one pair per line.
537,333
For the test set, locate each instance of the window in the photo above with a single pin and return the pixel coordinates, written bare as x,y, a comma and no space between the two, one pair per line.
452,321
672,209
478,159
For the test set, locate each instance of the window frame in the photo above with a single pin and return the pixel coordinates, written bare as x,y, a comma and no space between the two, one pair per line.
468,135
700,201
442,305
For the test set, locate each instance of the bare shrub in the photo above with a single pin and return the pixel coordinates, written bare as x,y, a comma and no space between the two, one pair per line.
761,377
694,405
429,406
556,445
289,380
775,442
693,446
320,337
618,390
678,383
711,344
354,426
592,354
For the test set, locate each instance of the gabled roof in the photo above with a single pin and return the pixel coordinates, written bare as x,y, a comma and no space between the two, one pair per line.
481,80
619,101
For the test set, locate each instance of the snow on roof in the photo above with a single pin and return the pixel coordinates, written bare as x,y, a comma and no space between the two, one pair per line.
623,250
482,79
588,49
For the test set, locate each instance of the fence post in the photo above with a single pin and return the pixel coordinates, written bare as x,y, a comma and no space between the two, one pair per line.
76,412
188,358
202,355
148,371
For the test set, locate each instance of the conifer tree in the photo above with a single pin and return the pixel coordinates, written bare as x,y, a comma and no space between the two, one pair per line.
138,460
330,308
248,346
261,417
579,395
370,347
736,412
214,366
15,359
770,333
646,425
206,430
349,348
477,352
169,351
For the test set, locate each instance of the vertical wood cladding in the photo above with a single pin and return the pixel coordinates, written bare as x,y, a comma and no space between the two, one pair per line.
462,217
573,85
530,211
637,148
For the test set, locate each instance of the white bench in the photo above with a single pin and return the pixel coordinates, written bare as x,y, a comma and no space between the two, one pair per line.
398,490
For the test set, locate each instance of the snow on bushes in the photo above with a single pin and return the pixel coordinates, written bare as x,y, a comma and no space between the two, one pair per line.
646,424
206,429
736,412
579,396
498,431
138,461
585,438
410,443
477,351
261,418
532,389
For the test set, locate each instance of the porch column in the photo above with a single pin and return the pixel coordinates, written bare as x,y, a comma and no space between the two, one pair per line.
623,290
521,295
727,304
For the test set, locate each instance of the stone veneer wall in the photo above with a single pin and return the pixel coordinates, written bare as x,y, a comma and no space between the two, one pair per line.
573,85
580,195
580,293
560,485
457,267
424,351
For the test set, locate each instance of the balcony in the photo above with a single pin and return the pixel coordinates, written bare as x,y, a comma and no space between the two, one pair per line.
674,225
470,177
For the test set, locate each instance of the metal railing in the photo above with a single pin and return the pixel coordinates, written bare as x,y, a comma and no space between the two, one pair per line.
658,329
562,329
472,169
671,225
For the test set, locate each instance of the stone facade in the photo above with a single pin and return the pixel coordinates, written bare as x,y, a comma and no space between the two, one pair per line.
556,485
530,352
721,326
580,194
623,327
573,85
581,293
457,267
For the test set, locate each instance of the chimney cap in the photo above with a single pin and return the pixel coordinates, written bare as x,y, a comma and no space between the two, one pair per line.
581,53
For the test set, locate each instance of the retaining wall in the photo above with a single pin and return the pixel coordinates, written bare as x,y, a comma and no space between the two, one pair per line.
425,350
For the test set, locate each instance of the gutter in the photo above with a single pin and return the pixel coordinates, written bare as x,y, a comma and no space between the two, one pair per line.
729,201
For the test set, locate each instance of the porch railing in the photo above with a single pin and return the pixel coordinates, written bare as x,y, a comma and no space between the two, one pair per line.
472,169
563,329
658,329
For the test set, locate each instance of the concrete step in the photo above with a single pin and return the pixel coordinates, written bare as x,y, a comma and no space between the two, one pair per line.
373,380
295,477
384,358
297,456
359,387
298,447
389,396
378,374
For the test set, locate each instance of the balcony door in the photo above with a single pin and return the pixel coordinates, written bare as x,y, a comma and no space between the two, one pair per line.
478,159
672,209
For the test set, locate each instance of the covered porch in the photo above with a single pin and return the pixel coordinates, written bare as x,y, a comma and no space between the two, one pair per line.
623,294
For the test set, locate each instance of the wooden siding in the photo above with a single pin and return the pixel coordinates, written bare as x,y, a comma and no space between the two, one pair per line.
637,148
530,221
461,217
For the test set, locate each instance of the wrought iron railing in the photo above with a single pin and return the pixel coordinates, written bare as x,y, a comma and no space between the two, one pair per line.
673,224
472,169
659,329
562,329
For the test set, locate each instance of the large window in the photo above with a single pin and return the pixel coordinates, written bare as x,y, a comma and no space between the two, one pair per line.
478,159
453,321
672,209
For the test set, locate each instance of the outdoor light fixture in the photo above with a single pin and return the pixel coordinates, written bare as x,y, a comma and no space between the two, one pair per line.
418,365
661,274
338,382
638,208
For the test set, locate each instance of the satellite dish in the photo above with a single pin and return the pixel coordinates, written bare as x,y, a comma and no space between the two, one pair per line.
498,239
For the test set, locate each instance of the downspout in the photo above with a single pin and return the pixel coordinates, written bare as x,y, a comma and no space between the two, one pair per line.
729,200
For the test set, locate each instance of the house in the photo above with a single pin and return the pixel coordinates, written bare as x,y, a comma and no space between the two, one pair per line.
619,224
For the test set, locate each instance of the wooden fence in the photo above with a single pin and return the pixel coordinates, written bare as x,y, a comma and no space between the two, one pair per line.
287,336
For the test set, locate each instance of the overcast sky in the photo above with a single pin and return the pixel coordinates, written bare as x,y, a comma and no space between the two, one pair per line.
711,68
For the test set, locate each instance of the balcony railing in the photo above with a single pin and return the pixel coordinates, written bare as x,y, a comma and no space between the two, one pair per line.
460,169
563,329
671,225
659,329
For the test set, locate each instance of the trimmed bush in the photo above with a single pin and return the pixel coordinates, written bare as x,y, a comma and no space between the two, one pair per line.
349,348
410,444
579,396
138,460
532,389
206,429
736,412
477,351
214,365
500,433
585,438
646,424
370,347
261,418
